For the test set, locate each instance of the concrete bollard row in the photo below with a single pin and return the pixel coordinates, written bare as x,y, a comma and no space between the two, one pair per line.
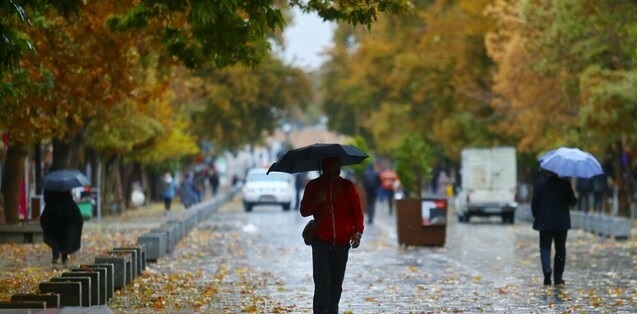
161,241
602,224
95,284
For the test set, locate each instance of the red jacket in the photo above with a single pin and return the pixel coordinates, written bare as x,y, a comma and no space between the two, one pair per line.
336,226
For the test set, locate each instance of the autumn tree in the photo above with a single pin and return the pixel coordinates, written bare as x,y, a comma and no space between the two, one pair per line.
236,105
426,73
95,68
563,74
94,73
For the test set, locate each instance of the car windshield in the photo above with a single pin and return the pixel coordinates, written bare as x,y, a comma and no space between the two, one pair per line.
267,177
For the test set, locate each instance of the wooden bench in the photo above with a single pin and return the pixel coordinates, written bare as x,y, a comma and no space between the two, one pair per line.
21,233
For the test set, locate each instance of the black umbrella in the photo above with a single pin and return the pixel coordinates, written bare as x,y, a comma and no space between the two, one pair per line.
64,180
308,158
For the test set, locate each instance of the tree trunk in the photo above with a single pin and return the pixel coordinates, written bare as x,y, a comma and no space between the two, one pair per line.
113,186
60,155
37,157
131,173
12,177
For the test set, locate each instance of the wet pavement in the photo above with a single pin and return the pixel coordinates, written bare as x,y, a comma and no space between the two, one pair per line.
238,262
257,262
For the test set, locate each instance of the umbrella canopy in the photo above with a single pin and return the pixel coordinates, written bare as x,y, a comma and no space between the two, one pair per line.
571,162
308,158
64,180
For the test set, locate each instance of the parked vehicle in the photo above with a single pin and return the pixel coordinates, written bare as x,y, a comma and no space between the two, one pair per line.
489,184
275,188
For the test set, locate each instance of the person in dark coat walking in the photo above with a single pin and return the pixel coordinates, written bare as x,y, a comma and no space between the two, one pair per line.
62,224
371,183
552,198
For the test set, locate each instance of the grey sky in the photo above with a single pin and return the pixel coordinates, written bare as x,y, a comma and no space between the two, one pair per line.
306,38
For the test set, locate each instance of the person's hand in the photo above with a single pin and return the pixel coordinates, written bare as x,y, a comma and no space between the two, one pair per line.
355,240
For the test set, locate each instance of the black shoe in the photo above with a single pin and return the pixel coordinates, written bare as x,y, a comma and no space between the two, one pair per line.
559,282
65,258
547,279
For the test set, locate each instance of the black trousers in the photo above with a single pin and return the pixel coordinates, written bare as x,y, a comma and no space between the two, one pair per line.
547,238
371,204
328,264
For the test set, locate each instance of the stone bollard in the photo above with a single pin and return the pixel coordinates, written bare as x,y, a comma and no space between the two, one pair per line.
98,277
588,222
119,268
140,251
603,226
191,221
107,271
155,244
131,269
12,306
95,289
620,227
70,292
180,231
576,219
169,232
85,287
52,299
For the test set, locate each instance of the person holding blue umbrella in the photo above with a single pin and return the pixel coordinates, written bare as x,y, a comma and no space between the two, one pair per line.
553,196
552,199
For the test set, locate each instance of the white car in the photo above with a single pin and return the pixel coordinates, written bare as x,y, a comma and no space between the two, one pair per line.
275,188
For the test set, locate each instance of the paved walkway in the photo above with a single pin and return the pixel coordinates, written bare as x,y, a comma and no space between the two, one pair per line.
238,262
257,261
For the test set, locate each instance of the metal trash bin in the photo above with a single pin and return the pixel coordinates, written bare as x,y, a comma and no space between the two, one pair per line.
422,221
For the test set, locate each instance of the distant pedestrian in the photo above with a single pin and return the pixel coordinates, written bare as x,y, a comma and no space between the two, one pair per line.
336,207
600,192
168,191
188,190
300,179
62,224
388,178
584,188
214,181
442,182
371,183
552,198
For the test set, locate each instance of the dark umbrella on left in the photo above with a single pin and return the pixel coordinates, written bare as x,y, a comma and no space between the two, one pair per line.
64,180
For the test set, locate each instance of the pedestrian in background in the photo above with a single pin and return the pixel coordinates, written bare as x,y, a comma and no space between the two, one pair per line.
168,190
189,191
336,207
584,188
551,202
600,192
300,179
61,224
214,181
388,178
371,183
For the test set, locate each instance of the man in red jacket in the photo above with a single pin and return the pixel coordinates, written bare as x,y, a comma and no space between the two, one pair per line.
336,207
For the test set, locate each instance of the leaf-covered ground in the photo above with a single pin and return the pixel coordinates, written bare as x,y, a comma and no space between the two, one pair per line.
255,262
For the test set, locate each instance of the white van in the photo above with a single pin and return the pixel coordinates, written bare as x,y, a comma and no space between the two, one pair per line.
489,184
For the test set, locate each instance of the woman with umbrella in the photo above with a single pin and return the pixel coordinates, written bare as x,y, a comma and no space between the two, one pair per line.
62,220
62,224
